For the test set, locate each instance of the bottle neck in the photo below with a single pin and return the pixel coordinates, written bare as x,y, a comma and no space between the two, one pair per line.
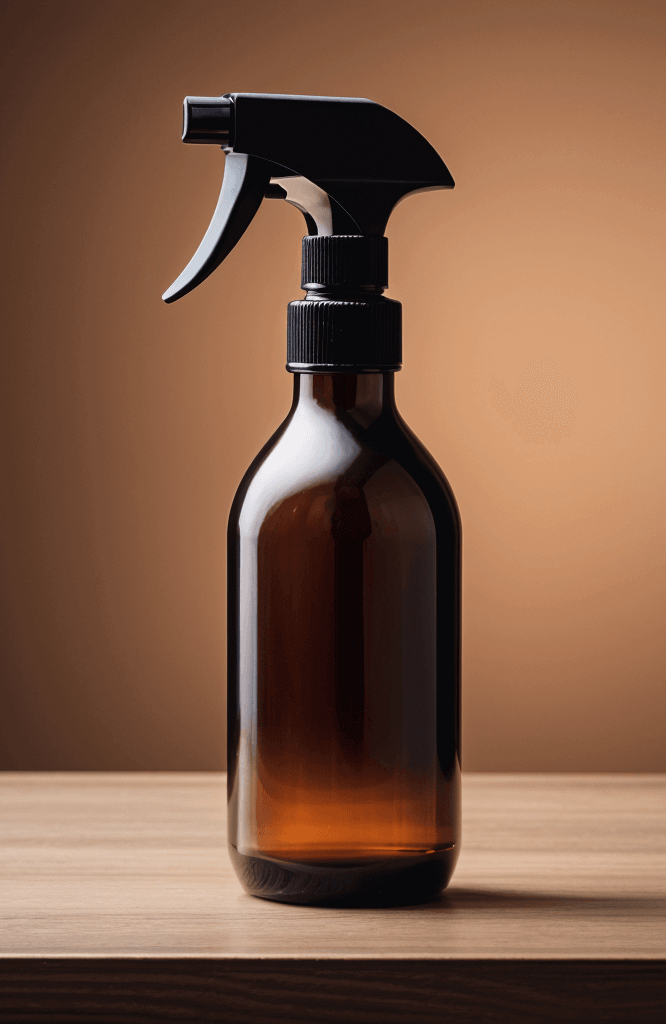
363,396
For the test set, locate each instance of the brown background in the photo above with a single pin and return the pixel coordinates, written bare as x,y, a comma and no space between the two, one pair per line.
534,361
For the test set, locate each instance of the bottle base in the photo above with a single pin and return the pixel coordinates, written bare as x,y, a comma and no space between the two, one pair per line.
398,880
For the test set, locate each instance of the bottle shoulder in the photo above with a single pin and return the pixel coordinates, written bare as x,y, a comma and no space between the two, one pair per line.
423,465
319,460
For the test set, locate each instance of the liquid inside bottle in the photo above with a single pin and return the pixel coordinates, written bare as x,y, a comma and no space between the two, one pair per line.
344,627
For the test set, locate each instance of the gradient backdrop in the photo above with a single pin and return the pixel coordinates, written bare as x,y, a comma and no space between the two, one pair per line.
535,361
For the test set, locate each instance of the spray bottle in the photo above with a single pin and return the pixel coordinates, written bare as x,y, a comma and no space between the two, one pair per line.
344,535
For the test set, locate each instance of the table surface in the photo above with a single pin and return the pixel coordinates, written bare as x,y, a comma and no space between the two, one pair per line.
552,867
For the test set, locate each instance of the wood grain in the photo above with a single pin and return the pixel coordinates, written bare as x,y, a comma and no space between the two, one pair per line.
305,992
114,886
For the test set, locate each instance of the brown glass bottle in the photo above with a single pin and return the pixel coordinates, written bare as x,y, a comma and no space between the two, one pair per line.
344,655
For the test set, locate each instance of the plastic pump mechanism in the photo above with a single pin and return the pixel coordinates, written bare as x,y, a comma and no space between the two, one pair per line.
344,163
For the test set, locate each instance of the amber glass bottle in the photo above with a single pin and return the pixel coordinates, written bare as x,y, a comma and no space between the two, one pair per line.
344,626
344,537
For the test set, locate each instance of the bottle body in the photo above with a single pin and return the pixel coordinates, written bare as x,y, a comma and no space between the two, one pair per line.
344,655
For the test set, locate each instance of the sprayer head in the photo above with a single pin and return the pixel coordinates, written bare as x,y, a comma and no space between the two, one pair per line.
345,163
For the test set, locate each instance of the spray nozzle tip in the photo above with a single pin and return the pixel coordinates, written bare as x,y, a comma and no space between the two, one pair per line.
208,121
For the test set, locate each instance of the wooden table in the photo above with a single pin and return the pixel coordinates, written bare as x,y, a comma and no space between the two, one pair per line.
118,904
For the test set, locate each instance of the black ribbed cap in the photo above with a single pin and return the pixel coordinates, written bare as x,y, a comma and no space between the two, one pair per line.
352,261
353,335
345,323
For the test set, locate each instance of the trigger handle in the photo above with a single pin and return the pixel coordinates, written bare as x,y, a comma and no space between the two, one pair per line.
245,181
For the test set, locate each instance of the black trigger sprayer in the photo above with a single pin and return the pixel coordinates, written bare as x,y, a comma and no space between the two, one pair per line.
344,536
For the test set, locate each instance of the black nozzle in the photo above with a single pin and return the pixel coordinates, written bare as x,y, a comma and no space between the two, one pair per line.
208,120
